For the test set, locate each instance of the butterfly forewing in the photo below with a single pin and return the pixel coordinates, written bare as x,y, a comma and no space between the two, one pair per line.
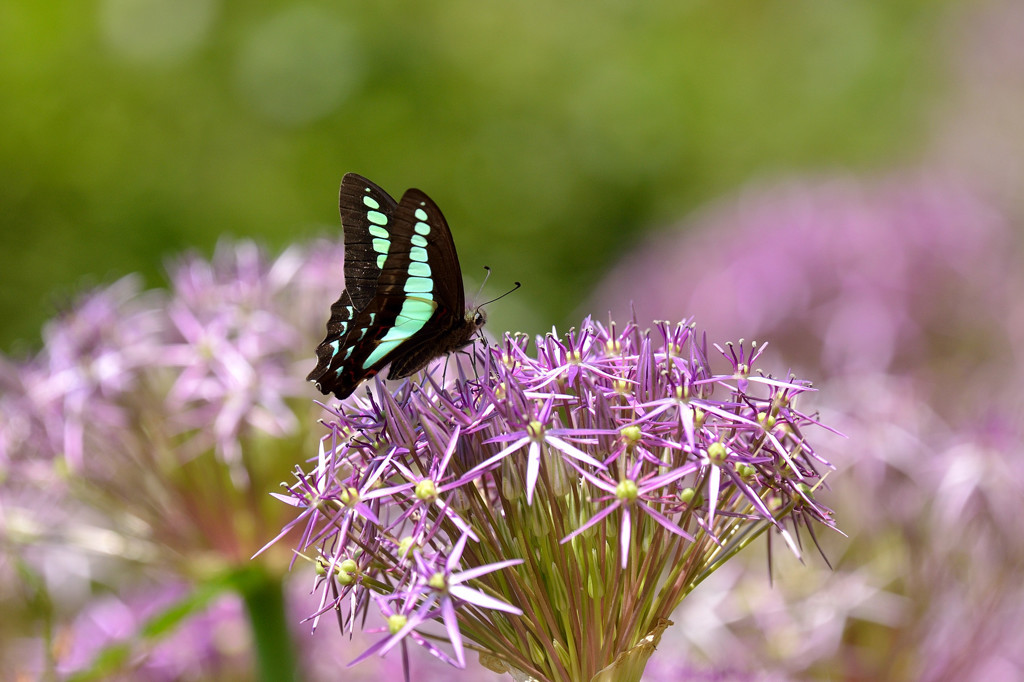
434,235
404,299
368,219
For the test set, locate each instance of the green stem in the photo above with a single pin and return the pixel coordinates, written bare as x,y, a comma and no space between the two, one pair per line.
263,595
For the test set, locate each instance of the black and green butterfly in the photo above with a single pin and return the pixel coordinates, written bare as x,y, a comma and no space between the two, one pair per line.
404,302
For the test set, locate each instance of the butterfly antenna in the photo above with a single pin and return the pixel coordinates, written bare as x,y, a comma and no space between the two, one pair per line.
484,283
517,285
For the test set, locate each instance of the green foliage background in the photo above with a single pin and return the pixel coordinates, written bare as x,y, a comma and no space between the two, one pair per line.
551,133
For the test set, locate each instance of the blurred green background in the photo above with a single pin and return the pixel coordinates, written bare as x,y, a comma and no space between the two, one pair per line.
551,134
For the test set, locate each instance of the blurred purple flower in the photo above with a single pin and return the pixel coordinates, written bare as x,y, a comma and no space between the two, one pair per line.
233,345
606,402
210,644
92,355
152,423
24,429
976,130
905,296
842,277
927,576
173,406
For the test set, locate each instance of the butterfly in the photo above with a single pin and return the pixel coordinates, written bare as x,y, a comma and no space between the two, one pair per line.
404,302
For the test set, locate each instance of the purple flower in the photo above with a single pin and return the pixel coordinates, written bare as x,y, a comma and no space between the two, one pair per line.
175,406
643,494
91,359
841,276
397,614
209,642
904,295
437,589
233,347
25,431
534,434
527,508
151,424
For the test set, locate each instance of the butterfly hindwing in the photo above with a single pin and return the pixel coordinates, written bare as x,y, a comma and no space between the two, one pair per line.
366,348
404,301
329,353
367,216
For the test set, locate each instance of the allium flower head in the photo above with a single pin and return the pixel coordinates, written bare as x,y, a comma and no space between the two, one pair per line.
843,276
903,296
91,358
550,510
148,427
143,394
232,342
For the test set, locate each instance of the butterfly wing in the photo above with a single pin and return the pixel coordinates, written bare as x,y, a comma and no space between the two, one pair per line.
419,209
403,293
433,256
368,220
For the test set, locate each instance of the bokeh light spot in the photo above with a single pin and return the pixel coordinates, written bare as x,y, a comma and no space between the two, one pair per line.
298,66
155,31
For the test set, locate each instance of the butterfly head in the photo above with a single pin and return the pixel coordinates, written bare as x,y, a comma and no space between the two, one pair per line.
474,321
476,317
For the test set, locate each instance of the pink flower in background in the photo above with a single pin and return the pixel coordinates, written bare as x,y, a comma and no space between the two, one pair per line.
151,425
233,344
842,277
976,130
24,429
93,354
211,643
906,296
150,398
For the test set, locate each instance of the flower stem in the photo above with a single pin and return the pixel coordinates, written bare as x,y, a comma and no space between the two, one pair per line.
263,595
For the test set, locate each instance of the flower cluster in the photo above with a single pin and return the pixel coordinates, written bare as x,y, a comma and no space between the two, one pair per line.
161,633
844,276
171,405
149,427
552,509
902,297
